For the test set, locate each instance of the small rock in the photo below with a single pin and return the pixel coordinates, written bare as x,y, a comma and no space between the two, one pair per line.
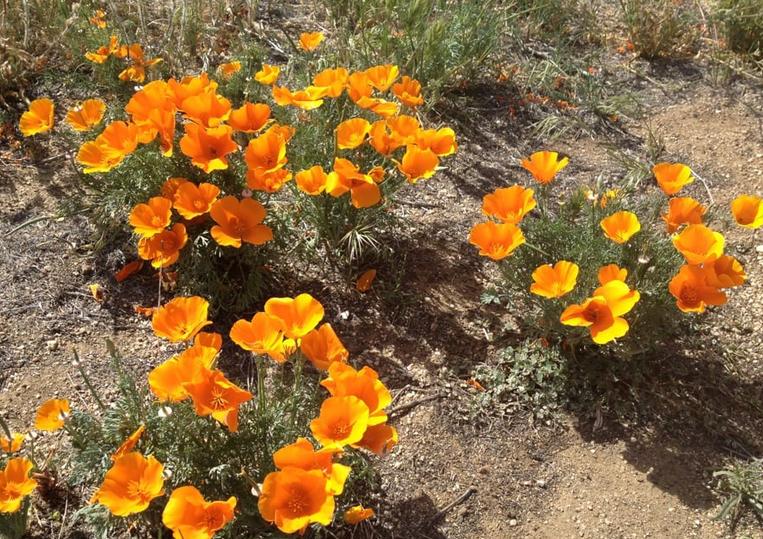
52,344
513,522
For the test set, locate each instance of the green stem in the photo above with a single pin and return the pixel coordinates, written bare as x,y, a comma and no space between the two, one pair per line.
5,428
538,249
89,385
299,362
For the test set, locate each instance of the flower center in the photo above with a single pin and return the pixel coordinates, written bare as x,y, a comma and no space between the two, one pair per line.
156,221
198,204
138,491
340,430
298,502
218,400
689,295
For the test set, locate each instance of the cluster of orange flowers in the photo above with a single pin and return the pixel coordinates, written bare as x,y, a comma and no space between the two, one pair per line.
133,54
698,283
15,480
707,271
303,489
509,205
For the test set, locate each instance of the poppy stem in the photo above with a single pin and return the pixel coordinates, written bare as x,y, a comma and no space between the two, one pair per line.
5,428
538,249
86,378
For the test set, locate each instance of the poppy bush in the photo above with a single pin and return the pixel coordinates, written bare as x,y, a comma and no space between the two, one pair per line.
195,452
610,268
223,177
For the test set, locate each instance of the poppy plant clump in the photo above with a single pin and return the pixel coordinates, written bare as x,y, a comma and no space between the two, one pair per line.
259,167
636,255
291,458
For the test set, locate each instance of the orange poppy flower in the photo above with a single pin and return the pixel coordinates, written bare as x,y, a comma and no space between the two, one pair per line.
129,444
87,115
382,107
342,421
181,318
418,164
153,110
192,200
309,41
345,381
602,313
692,292
239,221
190,516
119,137
136,71
268,75
302,455
382,76
699,244
748,211
97,158
509,204
52,414
266,153
311,181
130,484
496,241
382,139
97,19
302,99
352,133
250,117
404,129
208,148
379,439
12,444
544,166
215,395
441,141
170,187
408,91
163,249
322,347
611,272
205,340
151,218
345,177
167,380
725,272
333,81
555,281
188,87
683,211
269,182
671,177
357,514
364,282
207,109
38,118
359,86
292,499
15,484
298,316
228,69
262,335
620,226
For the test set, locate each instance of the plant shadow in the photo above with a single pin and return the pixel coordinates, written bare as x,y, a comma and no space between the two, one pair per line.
686,413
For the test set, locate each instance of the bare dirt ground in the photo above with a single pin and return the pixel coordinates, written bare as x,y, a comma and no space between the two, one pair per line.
579,477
